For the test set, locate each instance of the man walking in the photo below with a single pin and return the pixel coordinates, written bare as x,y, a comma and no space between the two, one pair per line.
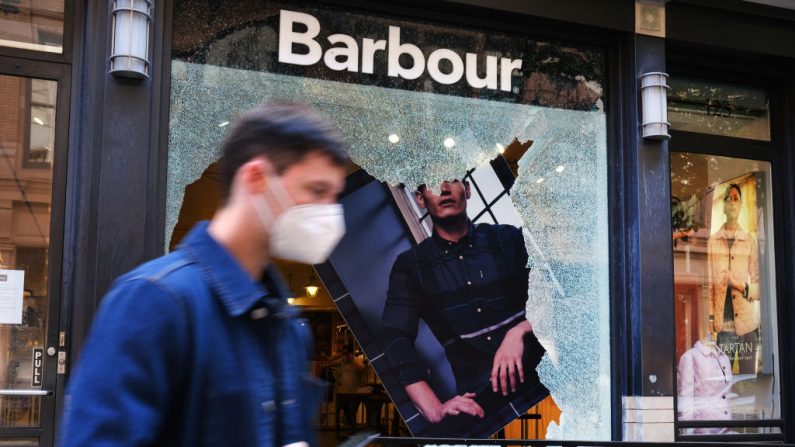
199,347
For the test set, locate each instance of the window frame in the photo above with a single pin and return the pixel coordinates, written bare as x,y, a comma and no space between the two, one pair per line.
67,49
774,152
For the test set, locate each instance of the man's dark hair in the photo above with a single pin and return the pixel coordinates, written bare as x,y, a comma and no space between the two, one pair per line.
423,187
284,134
733,186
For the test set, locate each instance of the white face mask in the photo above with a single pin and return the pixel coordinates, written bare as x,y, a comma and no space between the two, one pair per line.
303,233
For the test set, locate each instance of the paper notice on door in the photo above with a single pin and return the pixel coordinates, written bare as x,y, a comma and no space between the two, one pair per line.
12,284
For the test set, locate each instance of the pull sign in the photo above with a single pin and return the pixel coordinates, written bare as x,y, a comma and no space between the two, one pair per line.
38,367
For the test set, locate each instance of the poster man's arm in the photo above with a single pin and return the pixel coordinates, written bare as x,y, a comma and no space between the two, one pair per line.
753,271
507,370
400,324
433,410
712,283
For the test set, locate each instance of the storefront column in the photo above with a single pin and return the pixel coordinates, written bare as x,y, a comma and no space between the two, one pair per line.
116,180
647,400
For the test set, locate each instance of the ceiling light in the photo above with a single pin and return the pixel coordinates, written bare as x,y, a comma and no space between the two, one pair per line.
311,286
225,123
449,143
540,180
394,139
38,121
290,300
560,169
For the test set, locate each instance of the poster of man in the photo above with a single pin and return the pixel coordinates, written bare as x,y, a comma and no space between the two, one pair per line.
433,284
733,260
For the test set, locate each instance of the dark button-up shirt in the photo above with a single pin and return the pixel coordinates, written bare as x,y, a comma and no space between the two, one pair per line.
469,293
188,350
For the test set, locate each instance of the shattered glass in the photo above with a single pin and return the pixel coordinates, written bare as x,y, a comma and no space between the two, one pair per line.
561,194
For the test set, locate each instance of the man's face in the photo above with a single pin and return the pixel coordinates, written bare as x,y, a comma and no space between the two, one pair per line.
731,204
451,200
314,180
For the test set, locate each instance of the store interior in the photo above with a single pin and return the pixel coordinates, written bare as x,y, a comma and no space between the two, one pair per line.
356,400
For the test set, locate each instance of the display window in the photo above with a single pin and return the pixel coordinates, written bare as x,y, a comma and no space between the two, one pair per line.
502,133
727,350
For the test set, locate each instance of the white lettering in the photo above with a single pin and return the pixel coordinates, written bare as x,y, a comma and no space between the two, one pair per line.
288,37
394,68
507,66
344,55
350,51
433,66
490,80
369,47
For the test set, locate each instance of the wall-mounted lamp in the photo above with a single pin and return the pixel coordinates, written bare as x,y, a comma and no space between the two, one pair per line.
130,46
654,90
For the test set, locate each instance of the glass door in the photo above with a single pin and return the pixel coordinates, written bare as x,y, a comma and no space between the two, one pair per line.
32,136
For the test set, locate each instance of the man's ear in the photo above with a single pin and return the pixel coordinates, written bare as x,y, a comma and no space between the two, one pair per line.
467,190
420,200
255,174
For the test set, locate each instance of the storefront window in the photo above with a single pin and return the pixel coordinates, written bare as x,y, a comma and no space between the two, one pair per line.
726,321
32,24
421,104
718,109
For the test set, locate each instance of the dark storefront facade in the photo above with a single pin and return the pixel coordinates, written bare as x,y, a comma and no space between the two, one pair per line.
661,258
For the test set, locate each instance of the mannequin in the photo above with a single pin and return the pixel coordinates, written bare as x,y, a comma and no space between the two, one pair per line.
704,378
709,340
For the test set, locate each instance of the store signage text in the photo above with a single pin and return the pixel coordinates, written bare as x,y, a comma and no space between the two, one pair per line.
38,367
346,54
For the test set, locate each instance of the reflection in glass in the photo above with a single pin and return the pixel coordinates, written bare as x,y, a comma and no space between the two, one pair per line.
39,151
27,141
718,109
32,25
726,342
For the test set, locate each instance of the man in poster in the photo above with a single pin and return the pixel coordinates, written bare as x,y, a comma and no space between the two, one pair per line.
469,284
733,259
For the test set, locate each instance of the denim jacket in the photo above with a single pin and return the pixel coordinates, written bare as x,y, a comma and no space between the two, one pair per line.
187,350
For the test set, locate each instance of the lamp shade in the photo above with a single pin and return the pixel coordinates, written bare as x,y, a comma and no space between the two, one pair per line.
654,102
130,48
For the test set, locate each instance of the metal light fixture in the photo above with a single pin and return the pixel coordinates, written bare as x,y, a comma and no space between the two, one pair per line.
311,288
654,89
132,20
